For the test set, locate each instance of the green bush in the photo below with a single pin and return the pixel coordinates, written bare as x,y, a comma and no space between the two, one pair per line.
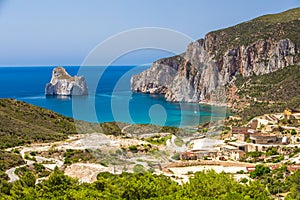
176,156
271,152
294,132
259,171
244,180
139,169
133,148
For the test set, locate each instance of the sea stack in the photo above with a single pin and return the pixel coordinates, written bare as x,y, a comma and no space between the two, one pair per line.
63,84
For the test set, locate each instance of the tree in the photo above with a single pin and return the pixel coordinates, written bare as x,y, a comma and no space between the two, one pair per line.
244,180
271,152
295,186
57,185
5,187
259,171
210,184
28,179
256,190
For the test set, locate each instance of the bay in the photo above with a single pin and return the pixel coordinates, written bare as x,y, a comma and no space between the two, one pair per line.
109,99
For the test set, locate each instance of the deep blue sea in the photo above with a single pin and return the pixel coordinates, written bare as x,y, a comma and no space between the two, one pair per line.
110,98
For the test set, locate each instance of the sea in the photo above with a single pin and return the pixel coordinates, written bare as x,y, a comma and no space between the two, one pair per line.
110,98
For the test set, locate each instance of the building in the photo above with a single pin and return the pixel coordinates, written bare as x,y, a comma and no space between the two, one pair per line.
199,154
284,140
293,168
290,113
239,146
188,156
258,123
250,168
254,124
232,152
236,130
242,133
264,139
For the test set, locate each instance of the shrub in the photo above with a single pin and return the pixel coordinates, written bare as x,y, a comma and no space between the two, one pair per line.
139,169
259,171
244,180
176,156
133,148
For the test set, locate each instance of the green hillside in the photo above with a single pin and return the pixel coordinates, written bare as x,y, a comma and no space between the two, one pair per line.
270,93
274,26
22,123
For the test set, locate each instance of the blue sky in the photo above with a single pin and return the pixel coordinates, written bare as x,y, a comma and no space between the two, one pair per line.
63,32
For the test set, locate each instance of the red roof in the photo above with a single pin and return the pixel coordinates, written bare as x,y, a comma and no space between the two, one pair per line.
250,168
274,167
293,167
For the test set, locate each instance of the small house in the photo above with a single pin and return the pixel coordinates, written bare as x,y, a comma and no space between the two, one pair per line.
264,139
242,133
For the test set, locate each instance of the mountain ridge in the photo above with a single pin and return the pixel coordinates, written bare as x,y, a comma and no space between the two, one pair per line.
259,46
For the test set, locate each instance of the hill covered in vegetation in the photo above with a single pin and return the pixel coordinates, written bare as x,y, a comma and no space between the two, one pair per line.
268,93
272,26
22,123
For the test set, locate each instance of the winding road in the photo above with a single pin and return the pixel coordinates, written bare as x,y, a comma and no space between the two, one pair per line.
36,147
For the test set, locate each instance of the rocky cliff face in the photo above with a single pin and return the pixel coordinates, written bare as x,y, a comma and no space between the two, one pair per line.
196,75
260,46
63,84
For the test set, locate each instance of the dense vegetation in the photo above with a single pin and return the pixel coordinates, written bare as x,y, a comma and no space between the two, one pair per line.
270,93
266,184
279,180
209,185
276,26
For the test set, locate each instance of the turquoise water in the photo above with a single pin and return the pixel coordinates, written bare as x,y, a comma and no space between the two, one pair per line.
110,98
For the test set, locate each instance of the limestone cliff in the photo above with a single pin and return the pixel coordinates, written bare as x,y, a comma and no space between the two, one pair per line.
63,84
257,47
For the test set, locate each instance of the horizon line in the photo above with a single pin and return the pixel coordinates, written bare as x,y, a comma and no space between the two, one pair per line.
125,65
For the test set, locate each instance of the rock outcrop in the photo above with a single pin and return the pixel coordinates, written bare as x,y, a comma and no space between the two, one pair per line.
201,73
63,84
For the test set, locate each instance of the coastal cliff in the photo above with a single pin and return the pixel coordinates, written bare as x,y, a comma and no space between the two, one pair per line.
63,84
256,47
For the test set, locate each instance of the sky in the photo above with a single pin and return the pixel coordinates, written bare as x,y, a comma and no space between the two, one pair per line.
64,32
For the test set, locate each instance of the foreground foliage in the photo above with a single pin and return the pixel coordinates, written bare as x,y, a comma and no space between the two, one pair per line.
209,185
204,185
